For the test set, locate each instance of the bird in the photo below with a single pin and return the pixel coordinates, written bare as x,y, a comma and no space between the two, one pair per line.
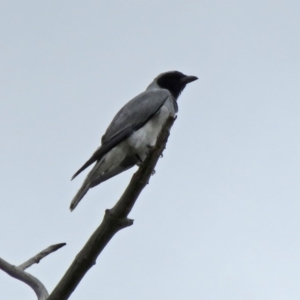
133,131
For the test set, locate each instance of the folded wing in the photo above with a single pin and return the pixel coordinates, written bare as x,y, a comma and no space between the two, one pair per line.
135,114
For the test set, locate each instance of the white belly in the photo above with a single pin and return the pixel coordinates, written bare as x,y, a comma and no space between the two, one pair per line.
146,136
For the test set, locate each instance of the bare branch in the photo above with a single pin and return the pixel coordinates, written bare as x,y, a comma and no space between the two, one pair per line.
36,259
25,277
20,274
114,220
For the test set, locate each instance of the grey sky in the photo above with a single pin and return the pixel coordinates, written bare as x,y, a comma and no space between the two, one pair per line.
220,218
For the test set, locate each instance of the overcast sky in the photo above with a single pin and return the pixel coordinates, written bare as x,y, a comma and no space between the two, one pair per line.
220,218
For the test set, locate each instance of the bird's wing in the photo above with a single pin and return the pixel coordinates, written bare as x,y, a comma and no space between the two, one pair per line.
130,118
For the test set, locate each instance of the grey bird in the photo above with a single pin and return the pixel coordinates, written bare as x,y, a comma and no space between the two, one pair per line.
134,130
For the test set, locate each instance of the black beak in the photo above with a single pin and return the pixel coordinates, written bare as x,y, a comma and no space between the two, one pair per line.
188,79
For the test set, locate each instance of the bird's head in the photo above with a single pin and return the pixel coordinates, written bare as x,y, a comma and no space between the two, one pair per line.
174,82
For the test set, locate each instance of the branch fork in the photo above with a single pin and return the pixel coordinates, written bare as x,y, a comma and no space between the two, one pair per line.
20,274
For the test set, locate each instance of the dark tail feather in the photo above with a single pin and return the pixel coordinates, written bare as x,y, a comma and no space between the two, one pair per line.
80,194
87,164
96,156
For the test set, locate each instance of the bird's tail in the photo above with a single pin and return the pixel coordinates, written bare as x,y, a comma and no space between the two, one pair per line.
80,194
87,184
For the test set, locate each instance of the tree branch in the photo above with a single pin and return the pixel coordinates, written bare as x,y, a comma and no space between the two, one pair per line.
114,220
25,277
36,259
19,273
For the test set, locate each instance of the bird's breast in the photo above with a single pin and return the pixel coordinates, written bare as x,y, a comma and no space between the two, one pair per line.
146,136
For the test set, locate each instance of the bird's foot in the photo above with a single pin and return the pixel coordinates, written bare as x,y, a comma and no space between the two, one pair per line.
139,162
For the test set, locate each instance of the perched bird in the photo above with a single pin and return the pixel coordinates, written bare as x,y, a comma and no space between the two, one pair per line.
134,130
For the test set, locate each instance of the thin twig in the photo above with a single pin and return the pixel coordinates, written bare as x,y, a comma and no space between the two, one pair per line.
19,273
25,277
36,259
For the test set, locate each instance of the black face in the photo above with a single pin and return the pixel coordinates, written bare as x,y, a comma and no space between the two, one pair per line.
173,81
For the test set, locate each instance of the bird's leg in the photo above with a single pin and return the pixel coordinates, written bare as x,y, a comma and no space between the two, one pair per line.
149,149
139,162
